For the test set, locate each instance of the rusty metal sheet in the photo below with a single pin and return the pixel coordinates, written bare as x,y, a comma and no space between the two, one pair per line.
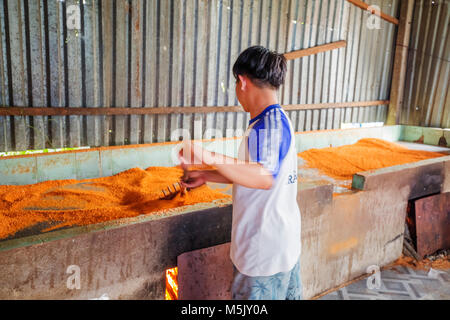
180,53
433,223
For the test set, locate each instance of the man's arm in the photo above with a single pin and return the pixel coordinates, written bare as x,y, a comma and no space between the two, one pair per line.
196,178
215,176
231,170
244,173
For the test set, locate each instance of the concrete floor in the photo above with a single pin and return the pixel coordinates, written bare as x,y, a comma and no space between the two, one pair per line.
398,283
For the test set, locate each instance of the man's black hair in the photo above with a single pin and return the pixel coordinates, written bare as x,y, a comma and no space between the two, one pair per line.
264,67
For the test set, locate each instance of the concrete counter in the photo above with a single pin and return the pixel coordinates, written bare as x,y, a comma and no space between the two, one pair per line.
341,235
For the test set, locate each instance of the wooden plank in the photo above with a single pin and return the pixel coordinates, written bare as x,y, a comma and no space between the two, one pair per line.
19,111
400,62
36,111
315,50
335,105
382,15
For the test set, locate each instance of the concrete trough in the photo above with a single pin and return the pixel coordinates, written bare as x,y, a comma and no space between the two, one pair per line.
341,236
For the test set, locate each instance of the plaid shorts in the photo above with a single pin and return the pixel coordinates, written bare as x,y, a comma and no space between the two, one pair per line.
280,286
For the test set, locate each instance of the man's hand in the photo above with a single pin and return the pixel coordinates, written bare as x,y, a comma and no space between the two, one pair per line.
191,179
228,170
194,179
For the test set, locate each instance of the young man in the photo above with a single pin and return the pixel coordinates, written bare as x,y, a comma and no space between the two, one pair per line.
265,237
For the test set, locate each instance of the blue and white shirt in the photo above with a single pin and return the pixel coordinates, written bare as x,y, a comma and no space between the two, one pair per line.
265,236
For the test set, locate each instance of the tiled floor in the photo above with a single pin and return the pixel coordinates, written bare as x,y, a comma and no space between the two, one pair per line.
400,283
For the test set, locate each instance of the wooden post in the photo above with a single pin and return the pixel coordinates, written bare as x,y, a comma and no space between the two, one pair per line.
400,60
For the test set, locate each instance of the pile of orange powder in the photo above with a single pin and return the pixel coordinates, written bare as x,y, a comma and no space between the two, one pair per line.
82,202
136,191
425,264
343,162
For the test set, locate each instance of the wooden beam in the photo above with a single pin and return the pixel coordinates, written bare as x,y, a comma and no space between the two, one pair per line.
333,105
36,111
400,62
25,111
382,15
315,50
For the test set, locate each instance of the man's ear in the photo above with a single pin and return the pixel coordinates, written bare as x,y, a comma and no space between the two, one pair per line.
243,82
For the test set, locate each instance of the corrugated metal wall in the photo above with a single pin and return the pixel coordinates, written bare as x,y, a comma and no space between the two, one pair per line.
426,100
136,53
